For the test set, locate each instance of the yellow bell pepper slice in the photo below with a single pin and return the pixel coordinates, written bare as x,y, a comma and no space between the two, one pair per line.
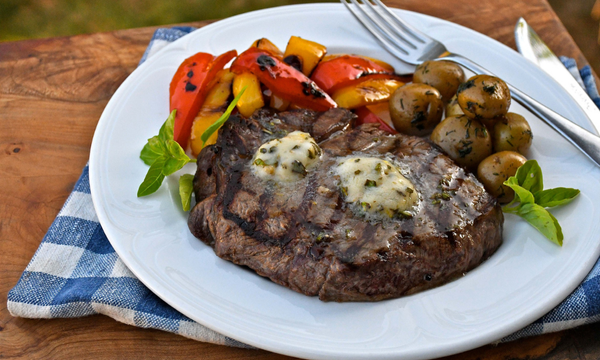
308,52
252,99
368,92
213,107
266,44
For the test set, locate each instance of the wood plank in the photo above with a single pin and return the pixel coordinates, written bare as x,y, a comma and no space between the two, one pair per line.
52,92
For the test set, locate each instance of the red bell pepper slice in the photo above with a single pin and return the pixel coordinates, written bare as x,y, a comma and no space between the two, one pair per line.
189,87
367,116
282,79
347,70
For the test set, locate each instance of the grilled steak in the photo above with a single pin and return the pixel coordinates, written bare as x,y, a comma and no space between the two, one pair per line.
303,235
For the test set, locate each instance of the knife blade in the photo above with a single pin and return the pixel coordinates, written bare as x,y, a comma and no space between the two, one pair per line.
534,49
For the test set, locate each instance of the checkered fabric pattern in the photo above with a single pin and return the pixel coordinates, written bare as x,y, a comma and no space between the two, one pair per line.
76,272
584,77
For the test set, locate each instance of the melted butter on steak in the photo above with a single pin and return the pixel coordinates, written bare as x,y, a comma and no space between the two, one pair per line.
286,159
376,187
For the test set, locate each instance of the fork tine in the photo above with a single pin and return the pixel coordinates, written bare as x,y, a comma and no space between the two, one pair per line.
386,39
374,30
394,35
398,22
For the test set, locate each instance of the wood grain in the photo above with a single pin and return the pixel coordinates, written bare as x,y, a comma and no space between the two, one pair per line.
52,93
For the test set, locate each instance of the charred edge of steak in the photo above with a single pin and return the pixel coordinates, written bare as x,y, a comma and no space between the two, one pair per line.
393,274
280,234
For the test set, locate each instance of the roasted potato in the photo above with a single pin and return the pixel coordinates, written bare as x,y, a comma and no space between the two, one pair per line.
512,133
494,170
484,96
416,109
465,140
452,108
489,124
443,75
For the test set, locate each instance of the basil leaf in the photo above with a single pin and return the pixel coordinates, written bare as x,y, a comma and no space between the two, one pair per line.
165,156
217,124
186,188
542,220
153,149
559,233
529,176
528,186
156,145
154,177
173,165
524,195
177,158
554,197
176,151
166,131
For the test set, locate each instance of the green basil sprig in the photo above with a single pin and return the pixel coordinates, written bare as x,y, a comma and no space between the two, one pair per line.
531,200
165,156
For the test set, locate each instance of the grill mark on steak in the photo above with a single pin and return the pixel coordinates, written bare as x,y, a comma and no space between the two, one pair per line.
296,218
233,186
304,236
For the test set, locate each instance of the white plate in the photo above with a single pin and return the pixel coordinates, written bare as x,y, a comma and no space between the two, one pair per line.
527,277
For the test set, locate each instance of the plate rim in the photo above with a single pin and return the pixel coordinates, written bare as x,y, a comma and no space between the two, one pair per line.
297,351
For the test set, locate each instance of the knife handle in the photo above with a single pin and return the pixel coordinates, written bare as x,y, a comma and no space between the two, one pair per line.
585,141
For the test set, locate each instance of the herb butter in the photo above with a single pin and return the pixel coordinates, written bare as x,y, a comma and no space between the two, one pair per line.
376,186
286,159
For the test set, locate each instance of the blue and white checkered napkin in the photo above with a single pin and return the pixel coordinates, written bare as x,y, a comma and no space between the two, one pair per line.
76,272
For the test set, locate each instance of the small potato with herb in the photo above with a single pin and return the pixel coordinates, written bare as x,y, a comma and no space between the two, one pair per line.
512,133
465,140
484,96
453,108
416,109
445,76
494,170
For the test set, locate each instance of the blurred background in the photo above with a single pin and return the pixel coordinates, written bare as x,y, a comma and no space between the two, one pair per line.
27,19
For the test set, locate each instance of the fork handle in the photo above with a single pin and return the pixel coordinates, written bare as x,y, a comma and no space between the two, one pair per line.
585,141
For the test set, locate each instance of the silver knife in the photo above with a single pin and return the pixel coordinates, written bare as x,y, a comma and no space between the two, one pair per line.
534,49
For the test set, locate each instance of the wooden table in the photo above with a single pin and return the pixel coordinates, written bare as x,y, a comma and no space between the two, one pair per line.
52,92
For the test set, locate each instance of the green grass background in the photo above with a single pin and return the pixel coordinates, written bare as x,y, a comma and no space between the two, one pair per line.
26,19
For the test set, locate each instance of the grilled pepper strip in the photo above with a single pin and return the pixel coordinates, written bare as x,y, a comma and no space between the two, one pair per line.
189,88
381,63
307,52
282,79
213,107
347,70
368,92
382,110
266,44
252,99
366,116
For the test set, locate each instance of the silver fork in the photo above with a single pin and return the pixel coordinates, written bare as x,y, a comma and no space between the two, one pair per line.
414,47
